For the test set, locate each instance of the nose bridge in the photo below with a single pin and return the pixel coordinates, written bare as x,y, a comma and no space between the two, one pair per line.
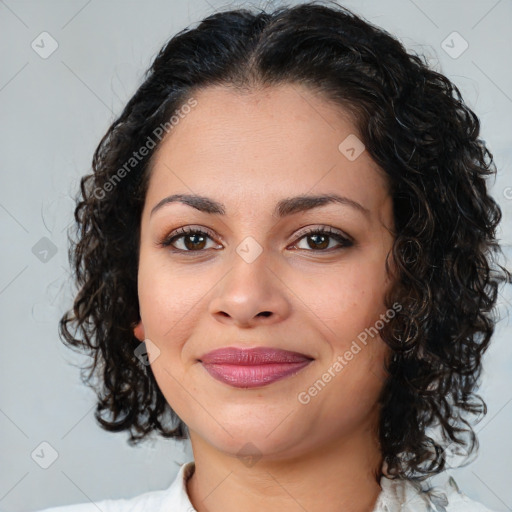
250,289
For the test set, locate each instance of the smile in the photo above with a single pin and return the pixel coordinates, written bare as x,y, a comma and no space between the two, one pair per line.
253,367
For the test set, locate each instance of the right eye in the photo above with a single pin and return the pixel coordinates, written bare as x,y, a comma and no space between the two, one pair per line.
193,239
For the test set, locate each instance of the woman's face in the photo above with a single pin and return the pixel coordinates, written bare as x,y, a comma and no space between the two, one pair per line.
254,279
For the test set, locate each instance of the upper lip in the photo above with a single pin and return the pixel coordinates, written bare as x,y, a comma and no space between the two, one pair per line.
252,356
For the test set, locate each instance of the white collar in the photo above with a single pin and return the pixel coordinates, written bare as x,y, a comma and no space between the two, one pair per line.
397,495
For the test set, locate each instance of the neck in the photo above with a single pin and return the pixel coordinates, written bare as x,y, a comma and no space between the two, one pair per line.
340,475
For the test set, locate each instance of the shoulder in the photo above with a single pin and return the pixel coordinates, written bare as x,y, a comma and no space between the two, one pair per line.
146,501
411,496
453,499
172,499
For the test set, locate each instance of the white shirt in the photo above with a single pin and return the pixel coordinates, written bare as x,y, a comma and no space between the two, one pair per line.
396,496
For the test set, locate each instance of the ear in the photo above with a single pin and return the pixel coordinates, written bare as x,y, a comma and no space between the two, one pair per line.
138,330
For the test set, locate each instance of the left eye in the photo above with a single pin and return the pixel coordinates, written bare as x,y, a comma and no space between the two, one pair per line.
194,240
320,239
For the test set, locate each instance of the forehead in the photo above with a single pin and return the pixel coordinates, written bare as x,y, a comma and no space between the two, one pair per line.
276,141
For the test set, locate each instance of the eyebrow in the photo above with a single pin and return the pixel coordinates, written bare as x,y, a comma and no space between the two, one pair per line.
284,207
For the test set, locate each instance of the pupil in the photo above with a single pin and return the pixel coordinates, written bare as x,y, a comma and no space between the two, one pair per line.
192,245
324,244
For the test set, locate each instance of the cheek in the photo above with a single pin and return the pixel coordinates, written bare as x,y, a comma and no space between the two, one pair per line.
168,298
348,300
349,312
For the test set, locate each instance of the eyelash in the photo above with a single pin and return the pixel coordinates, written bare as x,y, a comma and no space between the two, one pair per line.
168,240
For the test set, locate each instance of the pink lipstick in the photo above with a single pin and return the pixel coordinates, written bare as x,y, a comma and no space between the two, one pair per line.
250,368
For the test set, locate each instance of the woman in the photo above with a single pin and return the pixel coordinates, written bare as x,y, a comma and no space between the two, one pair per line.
285,254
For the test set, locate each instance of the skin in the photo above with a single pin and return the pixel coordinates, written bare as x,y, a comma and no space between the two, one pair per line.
248,151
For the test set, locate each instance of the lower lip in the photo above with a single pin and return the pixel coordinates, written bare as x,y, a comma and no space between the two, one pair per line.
244,376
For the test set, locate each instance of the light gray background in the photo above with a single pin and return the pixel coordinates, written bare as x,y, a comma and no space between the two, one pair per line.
53,113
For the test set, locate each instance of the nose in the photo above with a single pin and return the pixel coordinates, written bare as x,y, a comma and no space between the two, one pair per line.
250,294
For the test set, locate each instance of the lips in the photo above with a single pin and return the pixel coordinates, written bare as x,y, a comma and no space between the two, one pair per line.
252,356
249,368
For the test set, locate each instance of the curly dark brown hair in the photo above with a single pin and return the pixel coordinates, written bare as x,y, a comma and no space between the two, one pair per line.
416,127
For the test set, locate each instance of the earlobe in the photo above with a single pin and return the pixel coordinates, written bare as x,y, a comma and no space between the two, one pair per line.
138,330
